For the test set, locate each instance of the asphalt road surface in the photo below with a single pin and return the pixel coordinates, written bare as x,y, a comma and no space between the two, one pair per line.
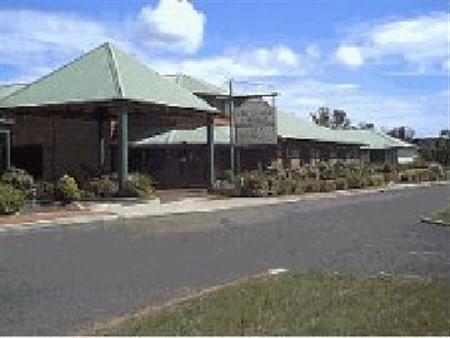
59,280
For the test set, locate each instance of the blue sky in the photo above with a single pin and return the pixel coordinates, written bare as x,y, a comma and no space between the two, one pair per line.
385,62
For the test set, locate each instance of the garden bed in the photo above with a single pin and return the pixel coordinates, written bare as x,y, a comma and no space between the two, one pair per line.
40,213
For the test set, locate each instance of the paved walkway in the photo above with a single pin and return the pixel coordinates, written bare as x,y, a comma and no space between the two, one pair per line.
58,280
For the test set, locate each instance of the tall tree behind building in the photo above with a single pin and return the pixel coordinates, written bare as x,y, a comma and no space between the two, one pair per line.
337,119
403,133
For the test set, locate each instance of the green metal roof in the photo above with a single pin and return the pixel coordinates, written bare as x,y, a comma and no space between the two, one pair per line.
6,90
374,139
294,127
188,136
103,74
289,126
195,85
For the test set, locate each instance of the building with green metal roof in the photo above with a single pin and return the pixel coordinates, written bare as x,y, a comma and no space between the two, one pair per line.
6,90
104,74
196,85
73,113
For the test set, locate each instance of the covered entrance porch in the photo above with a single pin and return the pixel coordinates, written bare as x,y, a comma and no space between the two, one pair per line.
84,115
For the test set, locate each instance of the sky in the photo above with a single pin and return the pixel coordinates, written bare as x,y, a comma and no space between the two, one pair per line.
382,61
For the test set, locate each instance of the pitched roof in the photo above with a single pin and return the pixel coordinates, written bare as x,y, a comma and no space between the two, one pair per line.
195,85
294,127
188,136
374,139
289,126
6,90
103,74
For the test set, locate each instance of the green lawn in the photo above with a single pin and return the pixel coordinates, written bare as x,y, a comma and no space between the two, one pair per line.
441,215
305,304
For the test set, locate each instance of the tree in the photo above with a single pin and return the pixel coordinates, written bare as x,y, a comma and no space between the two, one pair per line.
366,125
339,119
336,120
445,133
403,133
321,116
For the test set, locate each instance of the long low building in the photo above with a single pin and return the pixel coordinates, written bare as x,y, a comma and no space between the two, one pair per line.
72,121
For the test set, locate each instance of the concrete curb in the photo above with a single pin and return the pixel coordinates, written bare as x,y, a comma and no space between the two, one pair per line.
60,221
429,220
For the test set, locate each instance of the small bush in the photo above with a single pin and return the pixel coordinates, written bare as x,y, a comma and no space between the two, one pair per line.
286,186
393,176
365,181
354,181
19,179
45,191
311,185
11,199
138,185
377,180
228,176
66,190
327,185
103,187
436,172
254,184
341,184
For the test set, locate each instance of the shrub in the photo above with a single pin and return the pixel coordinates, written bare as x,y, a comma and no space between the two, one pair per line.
286,186
365,180
341,183
415,175
311,185
138,185
393,176
228,176
11,199
103,187
436,171
327,185
354,181
66,189
254,184
377,180
19,179
45,191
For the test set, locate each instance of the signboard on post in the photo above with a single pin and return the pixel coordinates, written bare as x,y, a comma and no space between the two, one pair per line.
255,123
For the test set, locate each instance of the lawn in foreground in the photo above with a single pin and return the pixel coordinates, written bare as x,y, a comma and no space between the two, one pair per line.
312,303
442,215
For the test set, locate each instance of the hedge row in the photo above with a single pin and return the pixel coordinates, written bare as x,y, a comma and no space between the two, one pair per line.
325,178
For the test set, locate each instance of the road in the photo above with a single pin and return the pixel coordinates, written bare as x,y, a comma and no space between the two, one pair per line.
59,280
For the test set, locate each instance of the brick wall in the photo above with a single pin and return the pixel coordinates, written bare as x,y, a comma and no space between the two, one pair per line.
67,144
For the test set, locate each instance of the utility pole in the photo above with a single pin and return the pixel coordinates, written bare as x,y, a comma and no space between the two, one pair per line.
232,129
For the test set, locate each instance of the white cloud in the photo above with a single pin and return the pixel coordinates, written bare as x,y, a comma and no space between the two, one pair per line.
361,104
32,41
172,24
350,56
422,42
286,56
279,60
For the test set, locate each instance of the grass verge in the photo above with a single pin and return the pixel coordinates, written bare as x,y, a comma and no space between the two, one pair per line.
441,216
312,303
